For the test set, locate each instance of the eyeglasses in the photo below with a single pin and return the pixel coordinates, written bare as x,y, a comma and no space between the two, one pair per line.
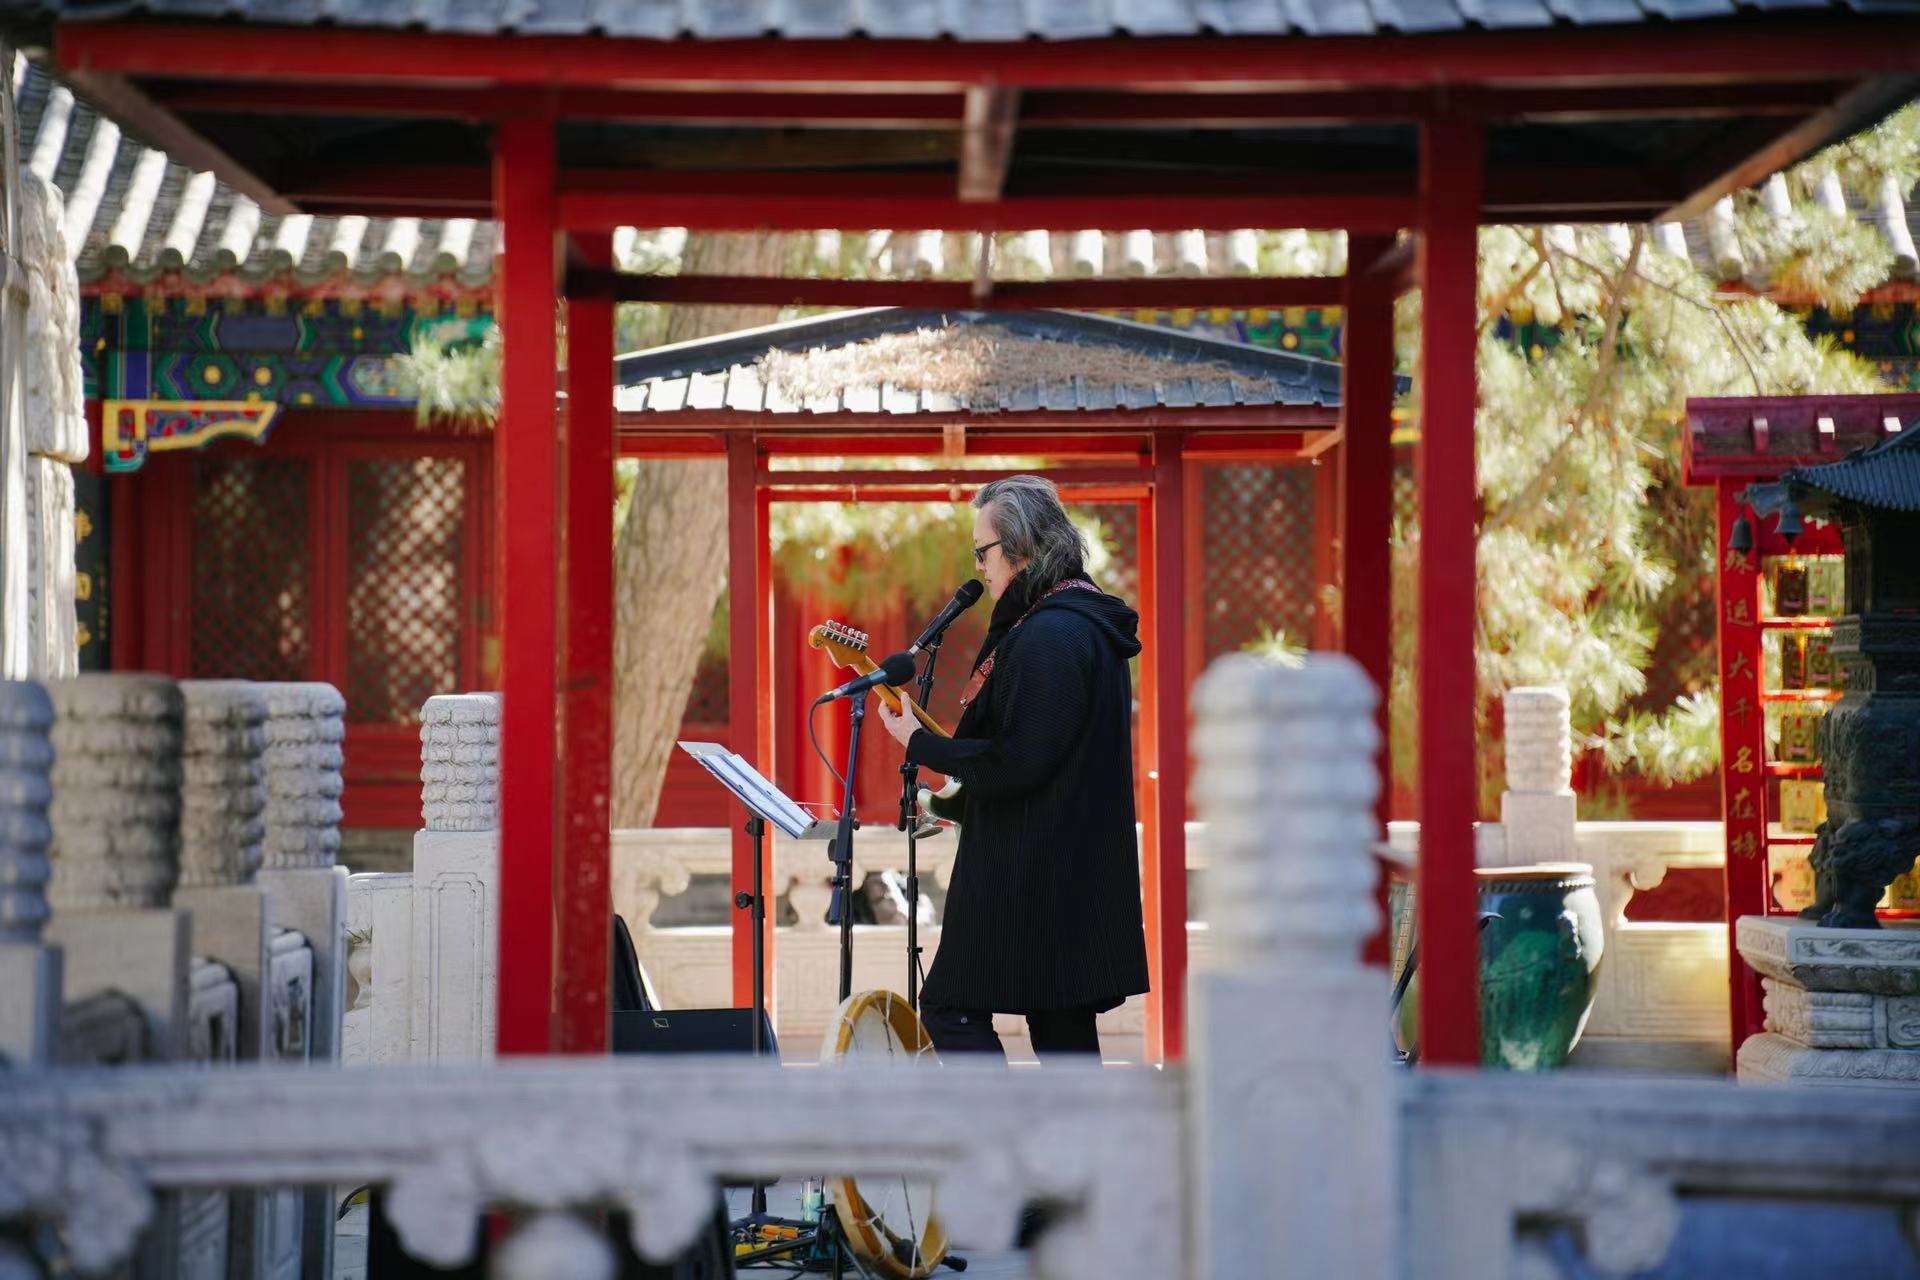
980,553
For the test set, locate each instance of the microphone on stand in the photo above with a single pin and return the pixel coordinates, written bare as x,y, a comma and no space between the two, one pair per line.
896,668
963,600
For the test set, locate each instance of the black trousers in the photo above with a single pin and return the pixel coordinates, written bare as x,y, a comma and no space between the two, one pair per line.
1056,1033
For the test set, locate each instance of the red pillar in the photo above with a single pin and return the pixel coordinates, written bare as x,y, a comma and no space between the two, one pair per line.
749,687
1366,498
526,458
1737,590
1164,857
1451,170
585,898
1324,627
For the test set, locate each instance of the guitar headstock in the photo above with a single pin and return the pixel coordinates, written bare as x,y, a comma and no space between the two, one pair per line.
847,647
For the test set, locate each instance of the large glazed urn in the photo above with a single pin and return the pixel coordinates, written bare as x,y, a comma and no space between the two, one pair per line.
1539,962
1540,947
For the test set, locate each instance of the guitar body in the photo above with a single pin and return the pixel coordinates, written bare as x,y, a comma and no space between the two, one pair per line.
848,649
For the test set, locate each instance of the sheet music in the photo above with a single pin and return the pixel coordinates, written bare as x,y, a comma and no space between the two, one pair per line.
752,788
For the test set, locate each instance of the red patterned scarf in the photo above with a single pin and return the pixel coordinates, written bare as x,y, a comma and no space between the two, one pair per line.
985,669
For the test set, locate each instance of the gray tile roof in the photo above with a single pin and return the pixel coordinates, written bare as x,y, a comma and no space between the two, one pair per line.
132,210
726,372
934,19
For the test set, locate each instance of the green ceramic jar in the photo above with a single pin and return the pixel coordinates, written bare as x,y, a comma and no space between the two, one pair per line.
1539,963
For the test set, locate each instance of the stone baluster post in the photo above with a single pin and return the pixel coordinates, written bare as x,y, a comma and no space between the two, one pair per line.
1291,1142
301,760
29,971
116,848
1537,808
222,795
456,879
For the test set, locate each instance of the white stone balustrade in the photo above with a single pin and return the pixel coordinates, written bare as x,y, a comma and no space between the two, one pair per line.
1662,992
1285,1146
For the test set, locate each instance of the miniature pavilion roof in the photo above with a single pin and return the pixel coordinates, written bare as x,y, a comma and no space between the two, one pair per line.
954,19
899,361
1885,476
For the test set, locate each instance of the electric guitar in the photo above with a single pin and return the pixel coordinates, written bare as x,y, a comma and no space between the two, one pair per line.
848,648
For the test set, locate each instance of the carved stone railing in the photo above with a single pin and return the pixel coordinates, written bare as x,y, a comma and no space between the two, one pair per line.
1662,998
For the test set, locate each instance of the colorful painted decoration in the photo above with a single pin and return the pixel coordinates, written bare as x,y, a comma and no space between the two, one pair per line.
130,429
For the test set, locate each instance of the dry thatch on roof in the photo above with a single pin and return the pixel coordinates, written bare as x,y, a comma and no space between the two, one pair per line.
973,366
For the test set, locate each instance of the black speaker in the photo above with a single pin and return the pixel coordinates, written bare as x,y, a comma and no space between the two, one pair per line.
690,1031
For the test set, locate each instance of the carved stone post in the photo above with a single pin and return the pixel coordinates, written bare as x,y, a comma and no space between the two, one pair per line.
116,847
1292,1102
222,794
29,972
303,730
1537,811
456,879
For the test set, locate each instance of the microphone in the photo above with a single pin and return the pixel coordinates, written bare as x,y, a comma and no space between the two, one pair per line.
963,600
894,669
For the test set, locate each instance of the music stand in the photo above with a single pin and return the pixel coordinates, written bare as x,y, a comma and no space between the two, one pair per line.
764,803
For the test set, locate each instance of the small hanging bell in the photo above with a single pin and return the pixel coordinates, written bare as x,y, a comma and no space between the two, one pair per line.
1790,525
1740,539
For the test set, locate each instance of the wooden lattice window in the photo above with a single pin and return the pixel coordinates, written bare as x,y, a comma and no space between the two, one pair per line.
250,568
406,557
1257,536
1120,525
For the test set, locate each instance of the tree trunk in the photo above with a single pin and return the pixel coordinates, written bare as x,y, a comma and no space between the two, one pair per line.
670,561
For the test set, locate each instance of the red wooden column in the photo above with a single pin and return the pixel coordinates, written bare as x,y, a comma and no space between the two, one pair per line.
1163,868
1366,498
749,688
1451,171
583,891
526,461
1742,777
1324,629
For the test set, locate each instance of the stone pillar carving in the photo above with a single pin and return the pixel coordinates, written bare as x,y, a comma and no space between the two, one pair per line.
115,851
1537,811
456,879
116,792
305,725
29,972
1286,1030
460,762
223,788
55,426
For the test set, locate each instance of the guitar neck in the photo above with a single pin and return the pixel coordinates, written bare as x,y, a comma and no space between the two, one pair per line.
867,666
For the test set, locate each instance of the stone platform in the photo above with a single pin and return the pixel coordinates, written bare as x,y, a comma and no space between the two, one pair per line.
1842,1005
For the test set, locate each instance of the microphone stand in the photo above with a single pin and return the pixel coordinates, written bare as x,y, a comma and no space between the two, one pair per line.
841,848
910,823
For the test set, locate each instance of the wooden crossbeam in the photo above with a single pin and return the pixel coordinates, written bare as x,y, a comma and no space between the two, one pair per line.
986,142
1238,293
121,101
1692,52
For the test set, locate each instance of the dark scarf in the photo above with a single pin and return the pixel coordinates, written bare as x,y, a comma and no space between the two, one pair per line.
1019,597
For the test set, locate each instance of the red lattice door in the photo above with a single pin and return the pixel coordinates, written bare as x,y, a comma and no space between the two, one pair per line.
251,572
349,550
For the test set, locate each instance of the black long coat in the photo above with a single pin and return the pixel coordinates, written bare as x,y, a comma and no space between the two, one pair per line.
1043,906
